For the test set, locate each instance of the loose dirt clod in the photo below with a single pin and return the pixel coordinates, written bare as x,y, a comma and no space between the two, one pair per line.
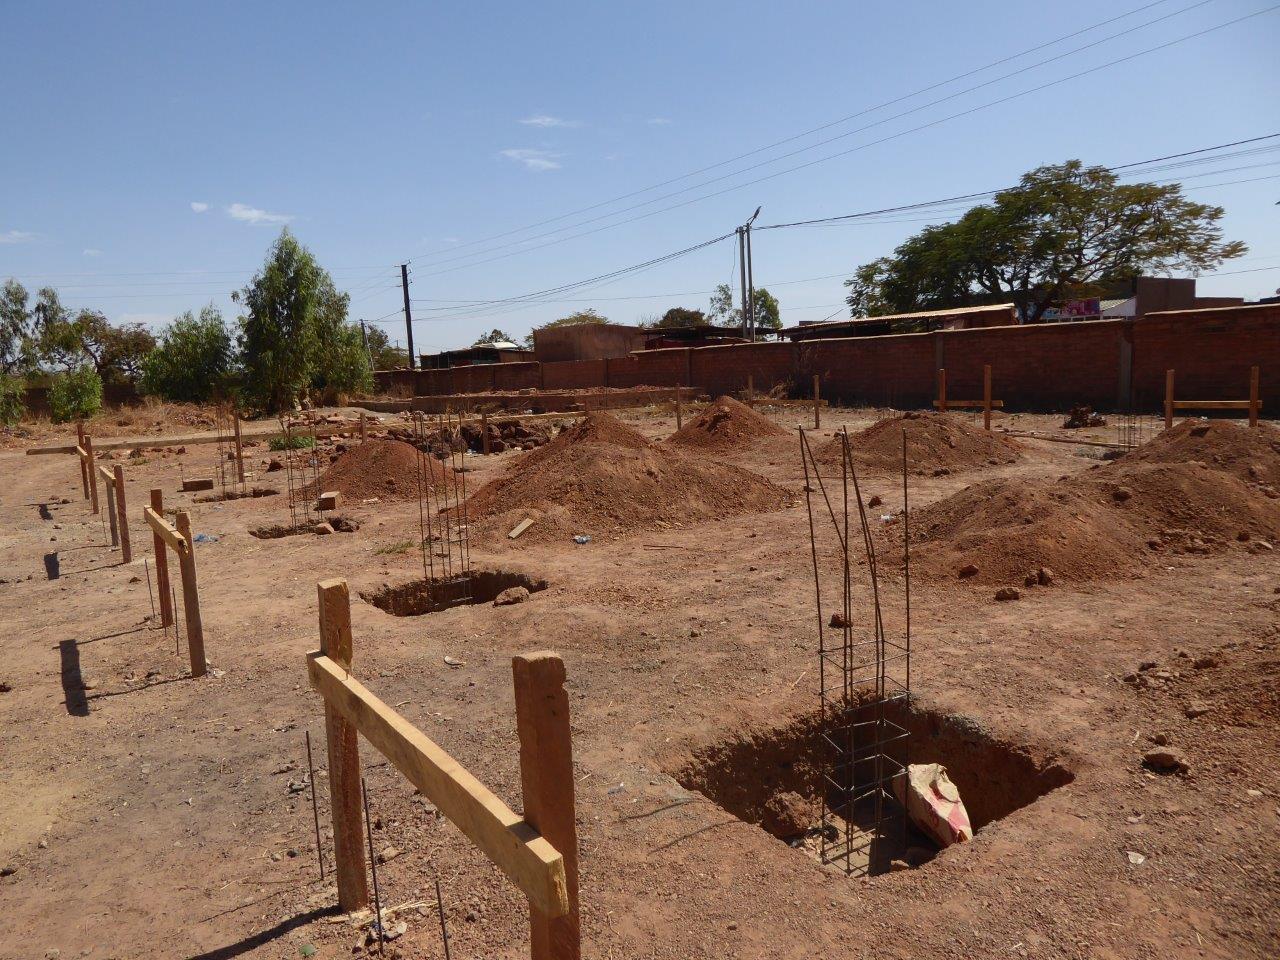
602,478
936,443
725,424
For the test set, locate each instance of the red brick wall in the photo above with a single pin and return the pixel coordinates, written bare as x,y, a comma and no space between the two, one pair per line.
725,369
1210,352
1041,367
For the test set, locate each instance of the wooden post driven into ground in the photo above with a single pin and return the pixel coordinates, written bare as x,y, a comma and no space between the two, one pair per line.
344,752
112,516
122,514
235,419
80,455
546,778
817,401
183,544
679,410
538,852
162,563
986,403
93,477
1253,404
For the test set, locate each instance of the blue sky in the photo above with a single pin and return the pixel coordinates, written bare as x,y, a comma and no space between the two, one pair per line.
154,150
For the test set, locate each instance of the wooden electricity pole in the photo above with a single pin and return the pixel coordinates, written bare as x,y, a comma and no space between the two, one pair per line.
408,314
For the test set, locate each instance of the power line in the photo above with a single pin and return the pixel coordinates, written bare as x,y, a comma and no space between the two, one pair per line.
841,136
799,136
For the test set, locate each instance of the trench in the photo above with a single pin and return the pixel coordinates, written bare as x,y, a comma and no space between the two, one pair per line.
233,494
276,531
434,594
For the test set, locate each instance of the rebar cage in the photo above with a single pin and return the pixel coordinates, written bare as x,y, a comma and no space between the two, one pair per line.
864,675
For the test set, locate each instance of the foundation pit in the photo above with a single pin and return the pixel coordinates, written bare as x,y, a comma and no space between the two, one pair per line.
432,595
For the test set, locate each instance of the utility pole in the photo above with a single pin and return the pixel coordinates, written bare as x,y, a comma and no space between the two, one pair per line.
747,281
364,336
408,316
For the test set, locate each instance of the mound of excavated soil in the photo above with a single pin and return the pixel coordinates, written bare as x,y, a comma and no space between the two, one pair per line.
601,478
725,424
1108,520
936,443
386,469
1253,455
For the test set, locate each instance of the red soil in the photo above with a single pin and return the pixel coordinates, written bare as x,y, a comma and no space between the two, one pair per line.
724,424
386,469
936,444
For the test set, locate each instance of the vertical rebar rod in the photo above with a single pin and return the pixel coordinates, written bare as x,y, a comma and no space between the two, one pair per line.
315,807
444,931
373,866
150,596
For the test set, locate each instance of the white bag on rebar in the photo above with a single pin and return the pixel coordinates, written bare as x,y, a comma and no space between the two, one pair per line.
933,803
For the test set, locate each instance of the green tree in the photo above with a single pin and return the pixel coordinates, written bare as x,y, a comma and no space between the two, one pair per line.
383,355
681,317
721,309
194,360
279,329
1067,231
496,336
75,394
340,364
15,328
115,352
13,392
768,314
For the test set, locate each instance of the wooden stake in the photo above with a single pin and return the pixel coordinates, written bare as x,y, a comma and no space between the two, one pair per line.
942,389
84,467
986,397
344,752
122,512
817,402
93,478
1168,399
235,419
191,596
679,410
363,436
1253,396
162,564
546,777
112,513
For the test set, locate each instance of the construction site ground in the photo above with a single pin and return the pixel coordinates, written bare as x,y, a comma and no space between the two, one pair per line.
146,814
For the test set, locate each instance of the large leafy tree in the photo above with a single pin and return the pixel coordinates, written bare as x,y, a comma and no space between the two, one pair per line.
294,333
496,336
115,352
1066,231
383,354
588,315
768,313
15,327
681,317
194,359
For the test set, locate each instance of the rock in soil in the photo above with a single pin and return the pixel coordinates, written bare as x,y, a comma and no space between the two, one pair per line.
511,595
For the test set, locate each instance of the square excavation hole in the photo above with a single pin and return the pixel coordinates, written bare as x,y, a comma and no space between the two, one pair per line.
775,779
432,595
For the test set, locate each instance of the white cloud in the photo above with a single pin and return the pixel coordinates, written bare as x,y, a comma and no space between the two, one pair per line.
657,121
545,120
247,214
534,159
92,252
198,207
16,236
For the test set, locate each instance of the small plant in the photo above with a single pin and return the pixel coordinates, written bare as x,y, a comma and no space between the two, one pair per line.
286,442
404,546
75,395
12,390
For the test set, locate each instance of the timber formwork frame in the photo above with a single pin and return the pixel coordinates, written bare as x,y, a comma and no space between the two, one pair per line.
864,675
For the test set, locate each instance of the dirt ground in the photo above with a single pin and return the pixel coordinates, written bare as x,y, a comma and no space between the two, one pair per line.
146,814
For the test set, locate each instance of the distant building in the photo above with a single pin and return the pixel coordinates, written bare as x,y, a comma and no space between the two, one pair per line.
586,341
959,318
1137,298
500,351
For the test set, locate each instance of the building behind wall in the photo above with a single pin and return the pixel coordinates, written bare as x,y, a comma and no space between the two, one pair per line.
586,341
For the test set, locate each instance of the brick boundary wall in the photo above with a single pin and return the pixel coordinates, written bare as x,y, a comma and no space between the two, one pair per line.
1039,367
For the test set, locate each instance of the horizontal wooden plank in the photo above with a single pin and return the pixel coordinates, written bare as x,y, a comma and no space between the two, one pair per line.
518,850
82,452
996,404
107,476
155,443
1212,404
165,530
